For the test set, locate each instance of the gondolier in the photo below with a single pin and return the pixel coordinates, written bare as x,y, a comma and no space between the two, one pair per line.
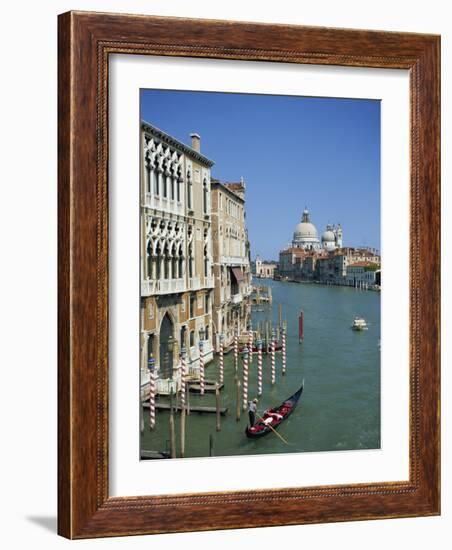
252,408
273,417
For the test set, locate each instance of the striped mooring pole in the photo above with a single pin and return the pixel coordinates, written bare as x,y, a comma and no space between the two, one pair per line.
273,357
221,377
201,368
250,344
183,378
259,367
245,378
283,350
152,390
236,351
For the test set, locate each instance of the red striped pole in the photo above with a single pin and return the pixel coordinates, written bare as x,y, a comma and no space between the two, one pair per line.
259,367
236,351
201,368
221,359
152,391
183,378
300,327
245,378
250,344
273,357
283,350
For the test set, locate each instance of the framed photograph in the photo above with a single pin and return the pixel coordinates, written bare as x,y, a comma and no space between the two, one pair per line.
230,354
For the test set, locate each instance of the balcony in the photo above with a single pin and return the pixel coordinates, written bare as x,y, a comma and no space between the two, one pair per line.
165,204
194,283
234,260
237,298
164,286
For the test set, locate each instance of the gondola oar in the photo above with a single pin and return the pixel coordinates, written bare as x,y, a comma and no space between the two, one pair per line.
272,429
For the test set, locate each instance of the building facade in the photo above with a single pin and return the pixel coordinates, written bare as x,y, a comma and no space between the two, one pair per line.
325,260
176,256
362,274
231,260
263,269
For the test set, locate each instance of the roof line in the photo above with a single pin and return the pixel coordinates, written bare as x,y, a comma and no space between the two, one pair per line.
146,126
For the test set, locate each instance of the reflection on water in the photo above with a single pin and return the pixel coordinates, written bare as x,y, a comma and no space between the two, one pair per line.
340,406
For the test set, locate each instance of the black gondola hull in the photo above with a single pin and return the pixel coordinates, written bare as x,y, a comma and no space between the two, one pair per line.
254,433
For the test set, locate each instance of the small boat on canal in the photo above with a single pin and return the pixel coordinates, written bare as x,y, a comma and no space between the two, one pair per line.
359,324
272,418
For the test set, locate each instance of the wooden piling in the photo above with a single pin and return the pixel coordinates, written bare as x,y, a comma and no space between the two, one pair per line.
259,367
218,405
182,432
236,351
273,364
201,368
141,416
221,361
245,381
211,448
238,408
171,427
152,392
283,350
187,395
301,327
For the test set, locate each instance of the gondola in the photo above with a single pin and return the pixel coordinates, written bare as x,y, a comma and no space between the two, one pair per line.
273,417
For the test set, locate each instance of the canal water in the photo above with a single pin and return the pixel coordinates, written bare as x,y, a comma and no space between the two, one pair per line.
340,406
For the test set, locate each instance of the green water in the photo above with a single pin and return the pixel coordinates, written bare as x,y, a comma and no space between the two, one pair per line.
340,406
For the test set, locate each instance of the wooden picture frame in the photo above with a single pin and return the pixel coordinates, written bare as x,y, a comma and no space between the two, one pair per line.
86,40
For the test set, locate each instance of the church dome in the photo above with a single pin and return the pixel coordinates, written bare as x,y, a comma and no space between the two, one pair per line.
305,230
328,236
305,234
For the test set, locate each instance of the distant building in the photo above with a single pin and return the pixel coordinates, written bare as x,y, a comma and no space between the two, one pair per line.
305,235
325,261
264,269
231,260
290,262
362,274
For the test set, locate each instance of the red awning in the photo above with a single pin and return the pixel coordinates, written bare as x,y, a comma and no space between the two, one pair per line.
238,275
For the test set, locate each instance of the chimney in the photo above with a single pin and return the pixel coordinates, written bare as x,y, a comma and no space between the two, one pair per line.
196,142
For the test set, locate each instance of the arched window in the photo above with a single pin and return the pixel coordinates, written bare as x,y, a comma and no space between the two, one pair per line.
149,260
206,263
166,263
178,182
204,196
174,263
148,176
181,265
159,264
171,180
165,181
189,191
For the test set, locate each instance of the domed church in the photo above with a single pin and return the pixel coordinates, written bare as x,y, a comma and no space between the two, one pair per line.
305,235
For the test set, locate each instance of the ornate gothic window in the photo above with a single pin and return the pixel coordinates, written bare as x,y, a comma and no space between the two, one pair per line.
165,181
204,196
189,191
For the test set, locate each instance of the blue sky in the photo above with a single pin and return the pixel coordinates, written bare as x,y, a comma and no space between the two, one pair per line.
292,151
